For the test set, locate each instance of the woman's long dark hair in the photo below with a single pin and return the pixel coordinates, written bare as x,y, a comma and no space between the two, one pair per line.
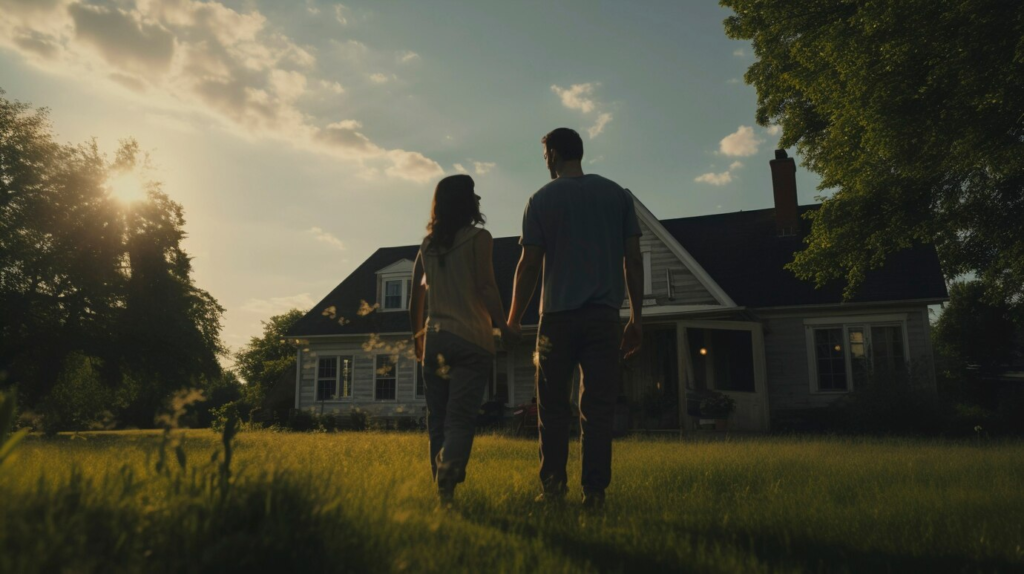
455,206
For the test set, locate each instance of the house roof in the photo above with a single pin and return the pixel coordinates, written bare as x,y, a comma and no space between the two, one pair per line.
740,251
743,254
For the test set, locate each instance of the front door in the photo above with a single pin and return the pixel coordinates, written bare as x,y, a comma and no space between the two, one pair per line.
728,357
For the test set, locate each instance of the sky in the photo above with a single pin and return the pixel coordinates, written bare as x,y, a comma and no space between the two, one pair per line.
302,135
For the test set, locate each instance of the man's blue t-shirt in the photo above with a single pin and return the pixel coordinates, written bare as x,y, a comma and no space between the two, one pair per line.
582,223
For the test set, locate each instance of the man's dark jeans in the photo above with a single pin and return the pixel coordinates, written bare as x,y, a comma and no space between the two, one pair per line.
455,376
589,337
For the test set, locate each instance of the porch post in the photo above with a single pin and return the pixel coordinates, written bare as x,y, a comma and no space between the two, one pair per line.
683,367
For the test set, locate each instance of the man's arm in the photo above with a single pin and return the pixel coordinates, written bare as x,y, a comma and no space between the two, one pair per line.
527,272
633,266
416,305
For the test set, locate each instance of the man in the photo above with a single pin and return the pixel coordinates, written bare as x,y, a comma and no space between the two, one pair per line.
582,230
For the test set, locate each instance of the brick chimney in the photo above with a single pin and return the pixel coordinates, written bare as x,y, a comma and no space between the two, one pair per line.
787,222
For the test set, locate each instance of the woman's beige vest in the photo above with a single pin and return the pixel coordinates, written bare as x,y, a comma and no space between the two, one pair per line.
454,303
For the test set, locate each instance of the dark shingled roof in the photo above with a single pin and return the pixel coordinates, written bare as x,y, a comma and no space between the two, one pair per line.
739,250
743,254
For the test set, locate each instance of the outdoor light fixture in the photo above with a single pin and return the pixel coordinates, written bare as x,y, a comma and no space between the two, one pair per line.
703,351
838,348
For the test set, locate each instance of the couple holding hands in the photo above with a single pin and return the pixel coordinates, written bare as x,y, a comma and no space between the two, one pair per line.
579,230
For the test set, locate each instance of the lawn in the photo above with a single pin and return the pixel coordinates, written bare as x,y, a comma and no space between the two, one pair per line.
95,502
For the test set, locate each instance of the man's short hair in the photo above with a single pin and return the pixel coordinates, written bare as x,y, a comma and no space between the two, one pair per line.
566,142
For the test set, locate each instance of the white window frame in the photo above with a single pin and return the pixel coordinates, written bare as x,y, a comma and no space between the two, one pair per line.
865,322
416,382
403,280
398,271
398,362
337,377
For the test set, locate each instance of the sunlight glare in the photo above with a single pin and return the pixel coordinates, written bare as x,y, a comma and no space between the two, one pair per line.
127,186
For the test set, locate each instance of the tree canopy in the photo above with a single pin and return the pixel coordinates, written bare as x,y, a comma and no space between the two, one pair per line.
83,273
913,113
266,358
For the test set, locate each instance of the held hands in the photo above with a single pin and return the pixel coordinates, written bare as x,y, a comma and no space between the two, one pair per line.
511,333
632,338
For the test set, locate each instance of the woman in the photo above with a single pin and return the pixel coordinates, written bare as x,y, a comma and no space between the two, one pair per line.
454,274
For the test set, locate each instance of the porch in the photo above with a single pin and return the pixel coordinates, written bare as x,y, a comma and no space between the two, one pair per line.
681,359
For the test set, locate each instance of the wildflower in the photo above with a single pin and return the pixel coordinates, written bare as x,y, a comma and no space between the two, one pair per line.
442,368
365,308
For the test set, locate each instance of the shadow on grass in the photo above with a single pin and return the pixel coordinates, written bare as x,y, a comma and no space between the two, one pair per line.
559,528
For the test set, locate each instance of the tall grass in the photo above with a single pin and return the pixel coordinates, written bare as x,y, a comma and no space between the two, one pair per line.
95,502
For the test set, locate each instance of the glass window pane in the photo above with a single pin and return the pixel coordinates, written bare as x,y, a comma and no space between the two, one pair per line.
887,347
384,388
327,367
732,354
324,390
345,381
859,360
392,294
831,358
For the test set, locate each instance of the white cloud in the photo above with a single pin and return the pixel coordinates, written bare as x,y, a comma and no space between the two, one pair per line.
278,305
185,56
576,97
460,168
719,179
413,166
327,237
716,179
378,78
483,167
774,130
407,57
340,11
579,97
602,119
333,87
733,81
741,143
739,53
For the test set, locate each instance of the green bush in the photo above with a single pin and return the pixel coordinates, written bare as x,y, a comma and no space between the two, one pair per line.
359,419
79,400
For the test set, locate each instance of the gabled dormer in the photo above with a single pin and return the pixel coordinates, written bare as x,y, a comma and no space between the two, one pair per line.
394,284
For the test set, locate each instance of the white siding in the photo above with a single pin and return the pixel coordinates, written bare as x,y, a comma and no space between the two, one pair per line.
362,379
786,354
686,289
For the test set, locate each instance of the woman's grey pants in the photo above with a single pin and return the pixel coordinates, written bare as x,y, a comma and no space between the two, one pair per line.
455,375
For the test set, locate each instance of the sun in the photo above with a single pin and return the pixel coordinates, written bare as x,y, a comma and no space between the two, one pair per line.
127,186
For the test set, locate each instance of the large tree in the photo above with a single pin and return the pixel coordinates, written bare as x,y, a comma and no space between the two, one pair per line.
973,331
913,113
82,272
267,358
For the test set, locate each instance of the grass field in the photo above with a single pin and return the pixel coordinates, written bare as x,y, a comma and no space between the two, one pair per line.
363,502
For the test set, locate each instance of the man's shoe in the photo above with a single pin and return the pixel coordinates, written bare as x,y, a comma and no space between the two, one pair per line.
593,499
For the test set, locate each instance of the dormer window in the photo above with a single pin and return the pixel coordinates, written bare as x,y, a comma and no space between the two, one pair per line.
394,284
394,294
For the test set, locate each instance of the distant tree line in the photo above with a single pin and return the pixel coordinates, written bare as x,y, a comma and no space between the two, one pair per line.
101,319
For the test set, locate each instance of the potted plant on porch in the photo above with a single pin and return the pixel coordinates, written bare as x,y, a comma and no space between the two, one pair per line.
717,406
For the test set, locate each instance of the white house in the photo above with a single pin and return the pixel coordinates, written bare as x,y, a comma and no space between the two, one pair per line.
720,312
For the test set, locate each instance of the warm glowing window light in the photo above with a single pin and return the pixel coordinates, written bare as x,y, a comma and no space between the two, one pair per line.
127,186
703,351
